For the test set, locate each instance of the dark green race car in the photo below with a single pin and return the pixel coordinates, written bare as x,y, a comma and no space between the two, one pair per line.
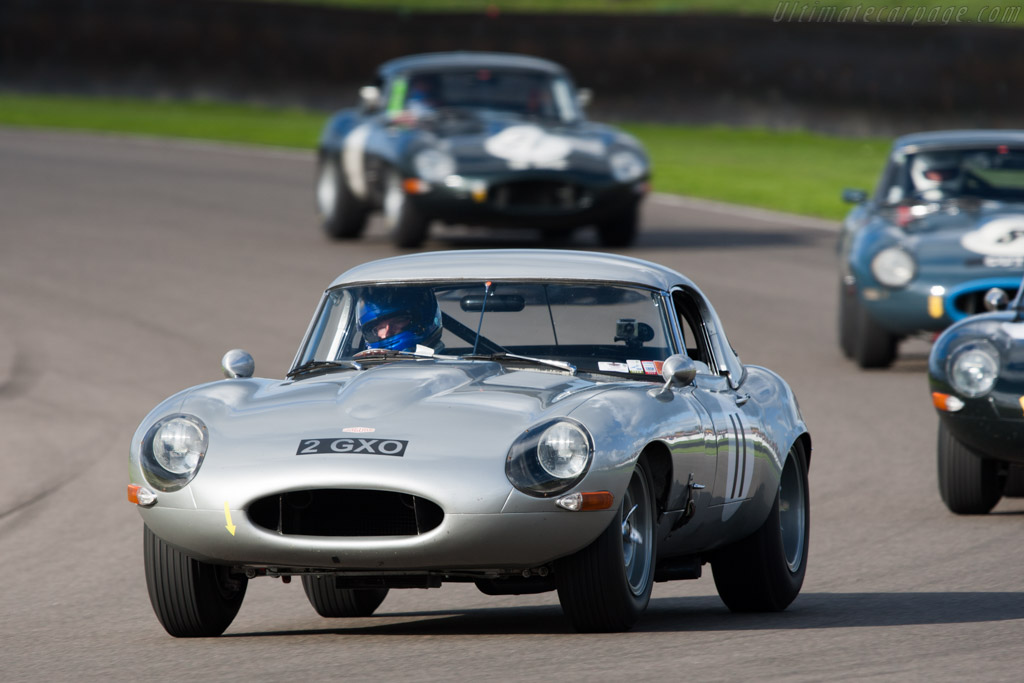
976,372
477,138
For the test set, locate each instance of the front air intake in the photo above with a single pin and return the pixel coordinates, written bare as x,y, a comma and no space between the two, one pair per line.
345,513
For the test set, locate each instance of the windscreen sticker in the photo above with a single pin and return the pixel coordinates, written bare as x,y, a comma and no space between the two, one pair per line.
356,445
1001,237
612,366
650,367
635,366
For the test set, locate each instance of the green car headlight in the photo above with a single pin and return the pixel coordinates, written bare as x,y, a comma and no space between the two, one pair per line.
974,368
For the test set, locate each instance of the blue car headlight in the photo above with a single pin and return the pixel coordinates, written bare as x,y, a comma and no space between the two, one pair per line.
550,458
626,166
172,451
974,368
893,267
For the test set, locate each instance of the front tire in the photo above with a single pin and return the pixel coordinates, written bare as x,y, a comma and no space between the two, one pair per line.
765,571
870,344
408,226
968,483
606,586
620,228
192,599
336,603
343,215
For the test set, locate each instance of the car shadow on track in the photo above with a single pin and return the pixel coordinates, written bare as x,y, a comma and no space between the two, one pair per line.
810,611
661,238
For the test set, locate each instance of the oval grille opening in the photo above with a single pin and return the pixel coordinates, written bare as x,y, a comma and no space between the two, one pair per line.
345,512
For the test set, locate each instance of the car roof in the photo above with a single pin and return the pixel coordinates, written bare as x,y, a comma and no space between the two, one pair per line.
951,139
469,59
515,264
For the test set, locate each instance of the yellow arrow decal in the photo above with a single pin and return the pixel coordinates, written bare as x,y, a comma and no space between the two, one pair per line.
227,516
1022,402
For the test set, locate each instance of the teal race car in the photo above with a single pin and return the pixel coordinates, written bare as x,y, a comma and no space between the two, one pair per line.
477,138
945,225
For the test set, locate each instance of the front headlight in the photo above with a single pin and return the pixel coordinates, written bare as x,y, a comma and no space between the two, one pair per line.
549,458
433,165
974,368
893,267
626,166
172,451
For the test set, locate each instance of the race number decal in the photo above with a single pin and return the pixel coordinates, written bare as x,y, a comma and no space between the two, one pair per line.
529,147
1001,238
352,445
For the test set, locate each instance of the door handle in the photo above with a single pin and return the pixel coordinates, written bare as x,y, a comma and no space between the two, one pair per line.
742,398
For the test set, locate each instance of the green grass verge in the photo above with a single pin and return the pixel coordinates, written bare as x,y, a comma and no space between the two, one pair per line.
798,172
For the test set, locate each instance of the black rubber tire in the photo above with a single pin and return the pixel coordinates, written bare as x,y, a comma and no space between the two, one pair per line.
620,228
847,312
337,603
408,226
192,599
968,483
1014,487
872,346
593,584
764,573
344,217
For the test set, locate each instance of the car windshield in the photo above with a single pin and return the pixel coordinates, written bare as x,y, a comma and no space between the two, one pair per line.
933,175
594,327
526,93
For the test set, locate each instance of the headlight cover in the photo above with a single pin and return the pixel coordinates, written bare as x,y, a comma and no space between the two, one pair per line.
172,451
433,165
626,166
550,458
974,368
893,267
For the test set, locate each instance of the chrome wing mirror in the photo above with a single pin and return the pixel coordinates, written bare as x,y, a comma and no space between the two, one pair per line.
677,371
238,364
369,96
584,96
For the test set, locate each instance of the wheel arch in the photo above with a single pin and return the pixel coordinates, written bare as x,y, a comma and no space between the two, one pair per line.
659,459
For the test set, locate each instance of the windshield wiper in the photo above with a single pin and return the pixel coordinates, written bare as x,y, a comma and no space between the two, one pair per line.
313,365
504,355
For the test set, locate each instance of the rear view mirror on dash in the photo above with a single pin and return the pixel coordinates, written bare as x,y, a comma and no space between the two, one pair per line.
495,302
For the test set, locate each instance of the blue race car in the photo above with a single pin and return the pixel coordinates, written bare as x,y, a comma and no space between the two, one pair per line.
945,225
477,138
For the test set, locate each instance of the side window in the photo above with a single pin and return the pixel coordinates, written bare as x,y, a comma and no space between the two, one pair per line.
698,347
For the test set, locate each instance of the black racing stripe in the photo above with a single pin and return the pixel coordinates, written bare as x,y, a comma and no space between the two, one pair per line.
743,469
736,456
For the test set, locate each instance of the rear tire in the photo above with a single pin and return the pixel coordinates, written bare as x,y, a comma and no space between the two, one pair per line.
765,571
343,216
335,603
192,599
606,586
408,226
620,228
847,323
968,483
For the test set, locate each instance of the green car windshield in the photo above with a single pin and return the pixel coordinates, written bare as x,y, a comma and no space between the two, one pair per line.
594,327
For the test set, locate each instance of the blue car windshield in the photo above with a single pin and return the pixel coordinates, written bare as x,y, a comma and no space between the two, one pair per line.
995,173
595,327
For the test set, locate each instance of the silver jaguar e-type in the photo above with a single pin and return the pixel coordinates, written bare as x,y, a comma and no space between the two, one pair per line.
526,420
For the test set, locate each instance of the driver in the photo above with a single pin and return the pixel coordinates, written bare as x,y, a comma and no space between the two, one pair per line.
400,319
936,175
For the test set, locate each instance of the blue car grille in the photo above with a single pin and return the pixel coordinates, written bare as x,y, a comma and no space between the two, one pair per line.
969,298
345,513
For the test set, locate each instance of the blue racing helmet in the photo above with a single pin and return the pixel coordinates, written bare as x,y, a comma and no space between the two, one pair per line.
407,315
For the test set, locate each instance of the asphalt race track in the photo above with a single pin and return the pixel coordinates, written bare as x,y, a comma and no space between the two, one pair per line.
128,267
